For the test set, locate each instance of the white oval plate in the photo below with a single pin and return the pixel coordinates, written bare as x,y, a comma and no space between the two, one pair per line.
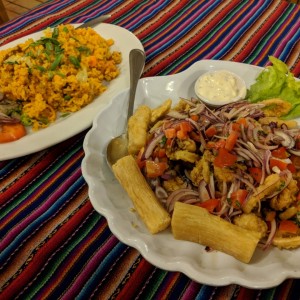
266,269
67,127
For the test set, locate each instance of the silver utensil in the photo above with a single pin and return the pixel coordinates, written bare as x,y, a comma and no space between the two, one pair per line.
95,21
117,147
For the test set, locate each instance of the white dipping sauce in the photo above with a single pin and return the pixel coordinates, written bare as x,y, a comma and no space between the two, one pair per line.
219,87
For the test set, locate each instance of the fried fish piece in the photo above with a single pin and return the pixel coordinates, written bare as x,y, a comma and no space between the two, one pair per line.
276,107
138,128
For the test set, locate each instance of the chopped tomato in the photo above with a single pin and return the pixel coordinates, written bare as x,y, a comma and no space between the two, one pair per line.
11,132
155,169
288,226
236,127
211,131
183,129
210,204
216,145
159,152
238,197
231,140
194,117
278,163
295,161
185,126
224,158
292,168
170,133
270,215
280,153
194,136
256,173
242,121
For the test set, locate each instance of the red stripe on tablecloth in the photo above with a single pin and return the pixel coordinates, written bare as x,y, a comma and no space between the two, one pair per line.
136,281
41,256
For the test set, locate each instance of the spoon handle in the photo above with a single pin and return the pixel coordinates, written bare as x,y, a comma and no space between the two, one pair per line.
136,63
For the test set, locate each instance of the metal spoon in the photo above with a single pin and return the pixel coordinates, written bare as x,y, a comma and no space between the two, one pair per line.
117,147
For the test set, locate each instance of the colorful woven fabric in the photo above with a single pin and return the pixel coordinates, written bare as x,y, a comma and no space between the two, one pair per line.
54,245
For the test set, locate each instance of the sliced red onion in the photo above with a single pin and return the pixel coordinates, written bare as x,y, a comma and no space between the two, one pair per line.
295,152
150,147
271,234
211,186
160,192
180,195
287,141
246,182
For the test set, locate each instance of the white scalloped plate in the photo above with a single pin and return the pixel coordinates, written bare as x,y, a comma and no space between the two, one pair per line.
68,126
267,268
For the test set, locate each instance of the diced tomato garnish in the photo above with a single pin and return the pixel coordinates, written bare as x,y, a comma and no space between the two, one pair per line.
210,204
242,121
292,168
224,158
216,145
270,215
231,140
278,163
280,153
155,169
170,133
194,117
236,127
238,197
256,173
194,136
159,152
211,131
295,161
288,226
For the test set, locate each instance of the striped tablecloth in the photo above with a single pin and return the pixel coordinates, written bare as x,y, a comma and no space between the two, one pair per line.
54,245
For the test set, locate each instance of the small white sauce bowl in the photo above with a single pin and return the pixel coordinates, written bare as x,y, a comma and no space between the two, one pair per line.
220,87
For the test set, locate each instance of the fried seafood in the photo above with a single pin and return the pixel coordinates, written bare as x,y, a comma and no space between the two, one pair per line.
241,171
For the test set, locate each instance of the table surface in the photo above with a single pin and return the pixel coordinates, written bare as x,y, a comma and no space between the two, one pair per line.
54,245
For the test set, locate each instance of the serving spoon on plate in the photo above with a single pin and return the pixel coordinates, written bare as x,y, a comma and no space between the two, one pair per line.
118,146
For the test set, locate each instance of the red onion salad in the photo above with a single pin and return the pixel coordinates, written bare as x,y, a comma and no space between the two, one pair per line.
227,161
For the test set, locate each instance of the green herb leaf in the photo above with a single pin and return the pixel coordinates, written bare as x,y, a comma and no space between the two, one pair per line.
56,62
75,61
55,33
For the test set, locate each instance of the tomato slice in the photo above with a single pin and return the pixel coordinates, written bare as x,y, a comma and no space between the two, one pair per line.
238,197
278,163
11,132
211,131
231,140
224,158
295,161
256,173
288,226
210,204
280,153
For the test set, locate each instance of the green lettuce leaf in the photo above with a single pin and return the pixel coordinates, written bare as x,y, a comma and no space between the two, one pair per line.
277,81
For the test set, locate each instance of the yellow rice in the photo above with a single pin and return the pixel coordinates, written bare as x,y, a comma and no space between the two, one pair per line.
29,74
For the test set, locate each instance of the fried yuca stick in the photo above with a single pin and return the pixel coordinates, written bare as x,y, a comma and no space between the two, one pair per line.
145,202
196,224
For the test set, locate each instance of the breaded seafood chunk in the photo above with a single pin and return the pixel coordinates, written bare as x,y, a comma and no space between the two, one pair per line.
138,128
